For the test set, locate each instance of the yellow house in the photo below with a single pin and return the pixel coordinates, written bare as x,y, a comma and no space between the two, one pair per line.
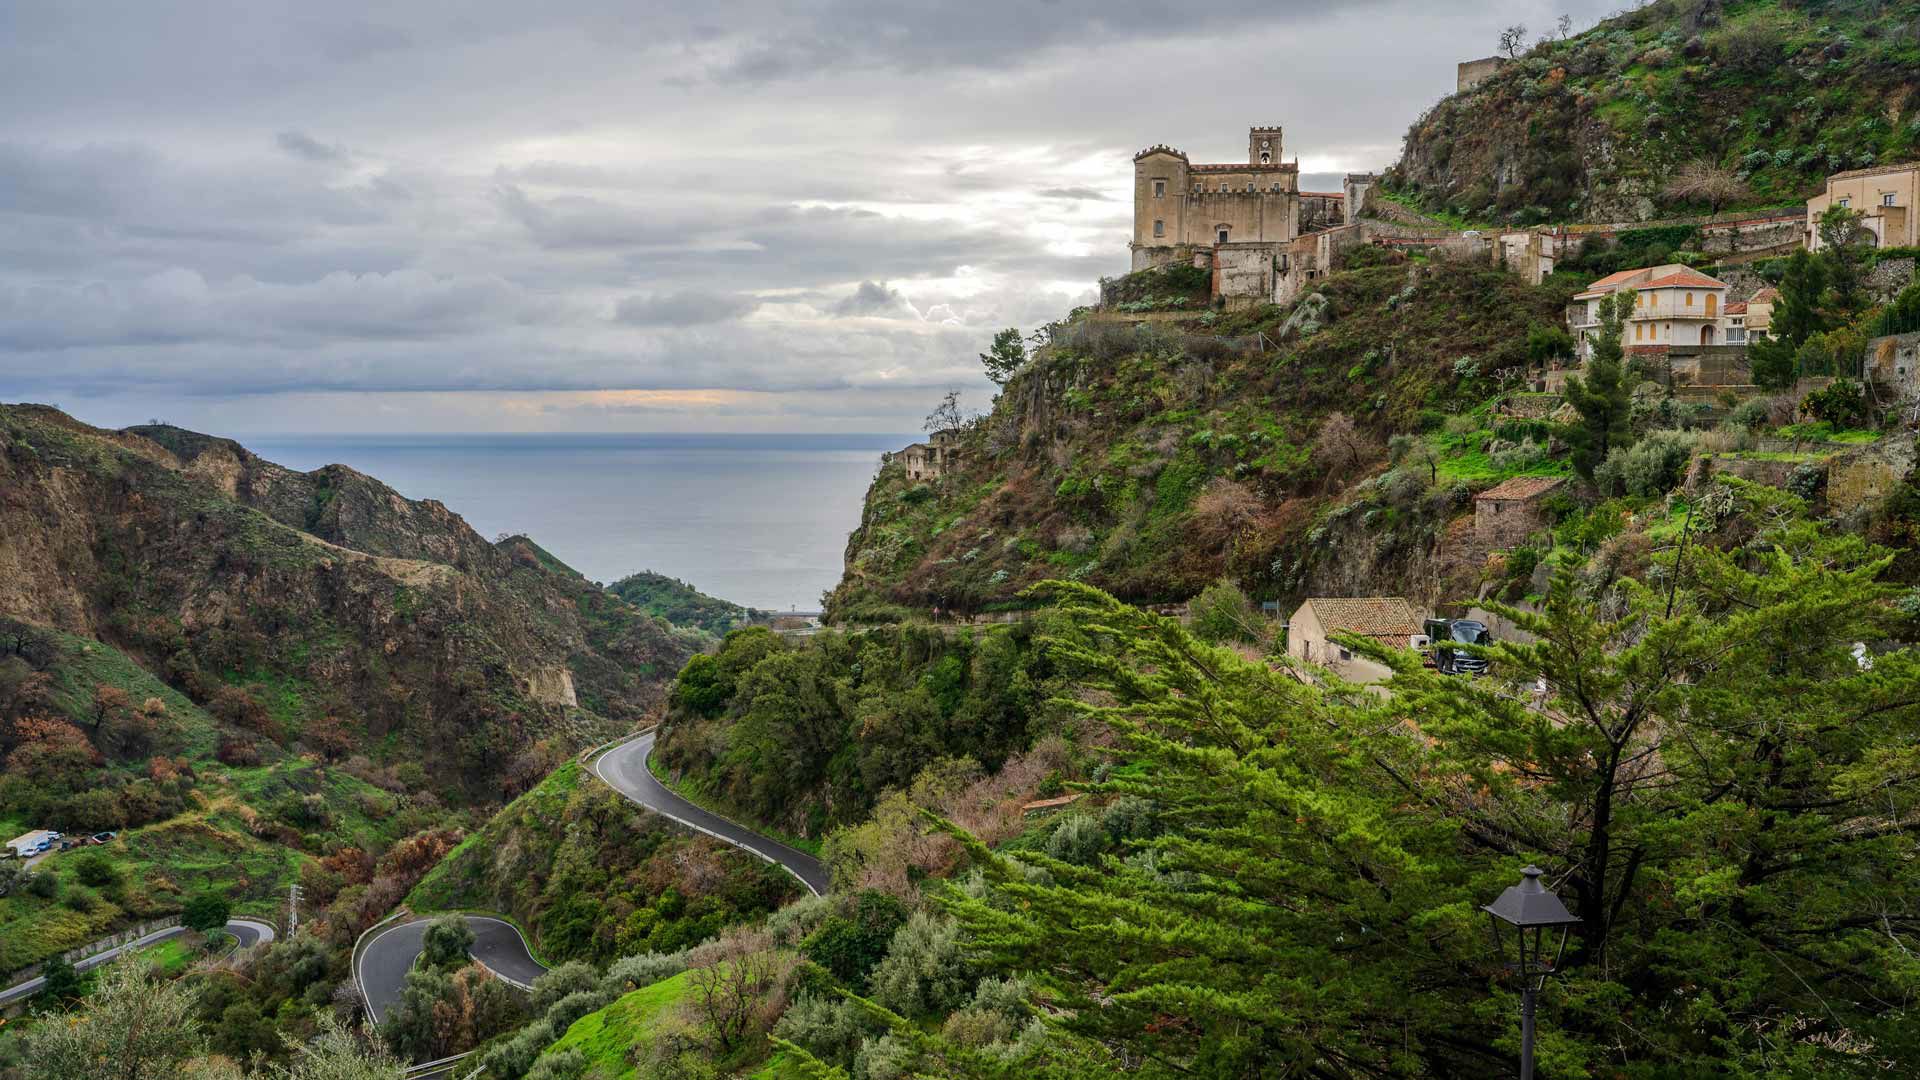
1673,305
1885,197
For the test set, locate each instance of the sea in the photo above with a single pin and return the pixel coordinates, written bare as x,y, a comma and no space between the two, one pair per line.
761,520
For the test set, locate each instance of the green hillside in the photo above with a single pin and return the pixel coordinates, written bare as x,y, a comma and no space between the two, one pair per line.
1774,94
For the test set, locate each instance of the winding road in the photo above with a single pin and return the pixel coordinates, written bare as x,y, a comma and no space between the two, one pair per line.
248,932
384,957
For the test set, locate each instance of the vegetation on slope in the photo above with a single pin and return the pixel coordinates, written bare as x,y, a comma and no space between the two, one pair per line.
594,877
310,611
1765,96
1151,461
807,736
680,603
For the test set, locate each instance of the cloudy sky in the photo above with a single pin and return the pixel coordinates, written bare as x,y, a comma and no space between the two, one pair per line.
264,216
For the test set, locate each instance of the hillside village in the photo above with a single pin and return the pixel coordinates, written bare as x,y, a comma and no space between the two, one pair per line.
1374,586
1702,355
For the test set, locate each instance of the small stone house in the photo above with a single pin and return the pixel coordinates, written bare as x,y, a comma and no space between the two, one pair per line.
1506,515
1389,620
930,460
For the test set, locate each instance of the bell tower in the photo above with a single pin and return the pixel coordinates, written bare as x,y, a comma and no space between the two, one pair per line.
1263,146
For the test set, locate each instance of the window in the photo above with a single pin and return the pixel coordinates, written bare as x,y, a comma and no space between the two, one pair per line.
1887,199
1159,228
1159,189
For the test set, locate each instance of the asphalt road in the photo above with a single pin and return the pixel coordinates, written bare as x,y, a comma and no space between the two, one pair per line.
247,931
624,768
388,955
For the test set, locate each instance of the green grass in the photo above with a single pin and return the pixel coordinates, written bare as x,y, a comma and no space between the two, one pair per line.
170,957
450,885
609,1036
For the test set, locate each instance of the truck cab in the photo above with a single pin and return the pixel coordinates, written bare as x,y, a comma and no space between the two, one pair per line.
1444,633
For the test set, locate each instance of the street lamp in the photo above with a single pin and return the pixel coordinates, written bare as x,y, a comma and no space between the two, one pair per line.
1523,922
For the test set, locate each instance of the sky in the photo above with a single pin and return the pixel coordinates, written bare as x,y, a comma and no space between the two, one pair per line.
287,217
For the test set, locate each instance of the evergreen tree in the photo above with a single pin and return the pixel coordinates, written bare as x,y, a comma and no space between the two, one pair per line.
1005,356
206,912
1603,398
1797,315
1716,785
1844,244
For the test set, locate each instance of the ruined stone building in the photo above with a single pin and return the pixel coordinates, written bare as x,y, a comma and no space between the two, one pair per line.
929,460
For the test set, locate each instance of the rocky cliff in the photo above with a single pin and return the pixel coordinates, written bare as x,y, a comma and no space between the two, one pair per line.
1771,94
1152,458
319,595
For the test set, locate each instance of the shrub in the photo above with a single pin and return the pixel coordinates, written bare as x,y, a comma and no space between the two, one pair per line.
1078,838
206,912
852,946
562,1014
567,979
1843,404
831,1028
1130,817
93,869
1222,613
1750,415
568,1064
643,969
925,972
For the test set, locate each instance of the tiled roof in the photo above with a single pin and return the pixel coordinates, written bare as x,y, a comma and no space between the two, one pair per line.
1373,616
1693,278
1522,487
1637,279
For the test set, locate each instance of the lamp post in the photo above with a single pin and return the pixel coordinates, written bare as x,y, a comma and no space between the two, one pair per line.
1523,921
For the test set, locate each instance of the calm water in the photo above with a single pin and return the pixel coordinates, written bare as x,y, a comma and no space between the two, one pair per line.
760,520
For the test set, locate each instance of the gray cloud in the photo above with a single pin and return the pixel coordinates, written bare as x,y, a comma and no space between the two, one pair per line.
874,298
834,203
307,148
688,308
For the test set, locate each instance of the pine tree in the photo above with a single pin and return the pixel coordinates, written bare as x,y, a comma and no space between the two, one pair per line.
1603,397
1798,316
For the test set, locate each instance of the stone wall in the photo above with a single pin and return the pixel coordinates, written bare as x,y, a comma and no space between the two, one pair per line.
1506,523
1243,273
1472,73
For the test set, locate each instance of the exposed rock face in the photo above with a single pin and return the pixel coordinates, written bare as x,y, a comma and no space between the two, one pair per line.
211,565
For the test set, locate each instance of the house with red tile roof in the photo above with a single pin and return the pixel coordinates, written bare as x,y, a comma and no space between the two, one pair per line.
1674,305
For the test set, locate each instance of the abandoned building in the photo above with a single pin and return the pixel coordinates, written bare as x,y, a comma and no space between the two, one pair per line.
1390,620
929,460
1505,515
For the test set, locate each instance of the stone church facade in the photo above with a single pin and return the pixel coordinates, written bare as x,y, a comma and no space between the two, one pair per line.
1235,219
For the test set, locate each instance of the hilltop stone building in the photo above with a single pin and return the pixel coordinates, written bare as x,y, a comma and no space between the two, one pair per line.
1885,197
929,460
1244,222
